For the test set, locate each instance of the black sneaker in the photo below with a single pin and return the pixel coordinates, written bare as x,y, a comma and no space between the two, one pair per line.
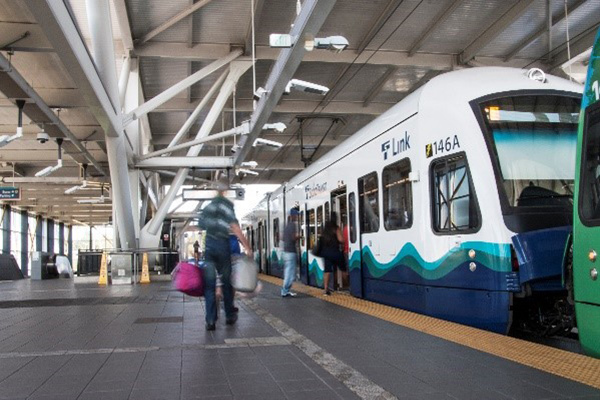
231,320
210,327
235,309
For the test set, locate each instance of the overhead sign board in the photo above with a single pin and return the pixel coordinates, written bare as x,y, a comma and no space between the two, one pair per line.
208,194
10,193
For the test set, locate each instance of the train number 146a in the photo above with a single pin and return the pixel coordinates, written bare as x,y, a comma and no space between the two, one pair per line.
442,146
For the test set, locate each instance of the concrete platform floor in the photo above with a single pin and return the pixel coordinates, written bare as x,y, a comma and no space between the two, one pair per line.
74,340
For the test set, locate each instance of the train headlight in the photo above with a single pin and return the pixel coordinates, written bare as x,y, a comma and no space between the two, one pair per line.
592,256
472,253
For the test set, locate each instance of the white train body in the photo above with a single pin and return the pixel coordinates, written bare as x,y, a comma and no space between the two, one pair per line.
453,251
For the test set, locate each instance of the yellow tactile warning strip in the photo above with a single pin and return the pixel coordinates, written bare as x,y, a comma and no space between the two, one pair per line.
568,365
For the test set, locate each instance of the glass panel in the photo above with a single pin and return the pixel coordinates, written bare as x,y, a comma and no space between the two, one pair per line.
590,170
276,232
535,140
352,204
310,222
368,192
455,206
327,214
319,221
397,196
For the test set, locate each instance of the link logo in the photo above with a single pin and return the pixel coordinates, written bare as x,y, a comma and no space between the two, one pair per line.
396,146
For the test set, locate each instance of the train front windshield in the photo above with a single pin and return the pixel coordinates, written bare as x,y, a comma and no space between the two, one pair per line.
534,140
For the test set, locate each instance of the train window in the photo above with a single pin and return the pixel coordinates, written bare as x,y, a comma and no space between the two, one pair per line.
319,221
310,225
397,196
276,232
368,193
589,198
533,142
454,203
327,214
352,212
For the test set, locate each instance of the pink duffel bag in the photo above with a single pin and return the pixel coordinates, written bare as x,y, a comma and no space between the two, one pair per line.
188,279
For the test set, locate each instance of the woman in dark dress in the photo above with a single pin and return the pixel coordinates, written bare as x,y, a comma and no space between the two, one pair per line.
332,254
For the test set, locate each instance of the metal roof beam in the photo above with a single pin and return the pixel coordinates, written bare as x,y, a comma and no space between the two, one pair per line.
439,19
389,9
310,20
124,25
376,89
288,107
543,29
172,21
17,80
186,162
509,17
180,86
203,52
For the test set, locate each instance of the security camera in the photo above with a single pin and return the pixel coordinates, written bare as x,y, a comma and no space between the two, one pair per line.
305,86
260,92
43,137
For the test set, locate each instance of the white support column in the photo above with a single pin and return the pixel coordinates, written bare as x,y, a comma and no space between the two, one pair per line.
150,233
131,101
104,57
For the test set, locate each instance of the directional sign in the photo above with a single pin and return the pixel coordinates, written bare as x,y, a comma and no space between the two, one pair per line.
207,194
10,193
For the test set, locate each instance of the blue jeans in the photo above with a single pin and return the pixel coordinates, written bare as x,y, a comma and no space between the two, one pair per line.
289,272
217,257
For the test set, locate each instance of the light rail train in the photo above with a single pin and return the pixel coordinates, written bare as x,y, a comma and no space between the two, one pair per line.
586,239
457,200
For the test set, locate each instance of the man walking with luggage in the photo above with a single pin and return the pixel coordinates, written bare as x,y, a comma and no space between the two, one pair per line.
290,254
218,219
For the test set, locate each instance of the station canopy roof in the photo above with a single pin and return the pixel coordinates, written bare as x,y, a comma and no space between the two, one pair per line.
395,46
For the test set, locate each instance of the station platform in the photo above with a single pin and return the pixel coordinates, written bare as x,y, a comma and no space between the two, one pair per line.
64,339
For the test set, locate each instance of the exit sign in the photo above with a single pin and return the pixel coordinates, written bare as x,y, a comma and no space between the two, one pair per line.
10,193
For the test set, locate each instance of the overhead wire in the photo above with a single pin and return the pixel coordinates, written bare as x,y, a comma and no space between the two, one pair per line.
323,103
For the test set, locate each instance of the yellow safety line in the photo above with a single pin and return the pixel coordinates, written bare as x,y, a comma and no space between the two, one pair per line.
575,367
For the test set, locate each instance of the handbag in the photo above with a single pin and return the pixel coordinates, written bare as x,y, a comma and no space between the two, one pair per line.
317,250
244,274
188,279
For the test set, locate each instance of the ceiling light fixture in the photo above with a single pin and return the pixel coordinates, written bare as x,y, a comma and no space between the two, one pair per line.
48,170
266,142
278,127
304,86
246,171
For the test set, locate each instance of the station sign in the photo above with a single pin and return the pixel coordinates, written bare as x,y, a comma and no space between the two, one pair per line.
10,193
208,194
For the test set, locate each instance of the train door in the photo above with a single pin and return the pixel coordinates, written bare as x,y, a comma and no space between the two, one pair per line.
339,206
311,231
354,250
303,247
368,209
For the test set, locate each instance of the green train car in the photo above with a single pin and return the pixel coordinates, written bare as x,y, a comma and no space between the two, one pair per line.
586,221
